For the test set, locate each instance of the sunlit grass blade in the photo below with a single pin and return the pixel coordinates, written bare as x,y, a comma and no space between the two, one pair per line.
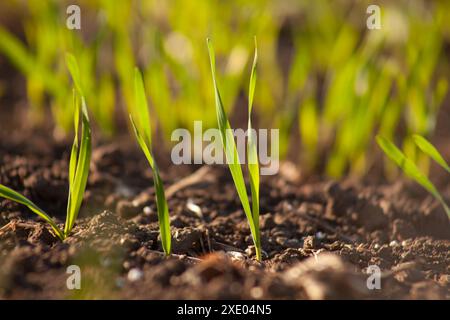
143,118
73,158
12,195
431,151
78,166
410,169
161,202
80,157
145,142
253,161
230,149
74,70
74,151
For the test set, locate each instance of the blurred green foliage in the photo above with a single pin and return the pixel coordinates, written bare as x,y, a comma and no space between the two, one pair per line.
326,81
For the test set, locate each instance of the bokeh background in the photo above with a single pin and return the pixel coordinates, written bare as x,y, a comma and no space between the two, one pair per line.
326,81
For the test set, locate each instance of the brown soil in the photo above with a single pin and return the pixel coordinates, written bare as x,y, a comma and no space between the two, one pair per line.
319,237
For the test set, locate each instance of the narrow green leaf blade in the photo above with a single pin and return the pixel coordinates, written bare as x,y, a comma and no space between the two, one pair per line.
74,69
431,151
73,157
142,144
12,195
161,202
80,157
251,90
74,151
80,178
143,116
163,213
409,168
229,147
253,161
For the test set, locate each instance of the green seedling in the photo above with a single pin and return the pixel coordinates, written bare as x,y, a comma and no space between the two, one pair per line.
232,157
431,151
411,169
78,166
143,132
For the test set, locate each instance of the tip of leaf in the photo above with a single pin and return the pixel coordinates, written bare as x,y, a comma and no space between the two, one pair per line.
380,138
69,57
256,52
210,46
72,65
137,72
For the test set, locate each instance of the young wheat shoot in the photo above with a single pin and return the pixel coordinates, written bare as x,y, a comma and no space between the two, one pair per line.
78,166
229,147
410,168
143,133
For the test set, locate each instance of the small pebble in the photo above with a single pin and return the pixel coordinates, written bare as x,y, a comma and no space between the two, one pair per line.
135,274
235,255
281,240
148,210
250,251
405,243
127,265
320,235
191,206
256,292
393,243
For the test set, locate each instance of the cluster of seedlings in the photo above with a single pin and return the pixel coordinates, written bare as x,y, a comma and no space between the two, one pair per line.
81,155
80,158
140,121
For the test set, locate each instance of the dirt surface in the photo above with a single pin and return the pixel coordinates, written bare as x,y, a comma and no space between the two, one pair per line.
318,237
